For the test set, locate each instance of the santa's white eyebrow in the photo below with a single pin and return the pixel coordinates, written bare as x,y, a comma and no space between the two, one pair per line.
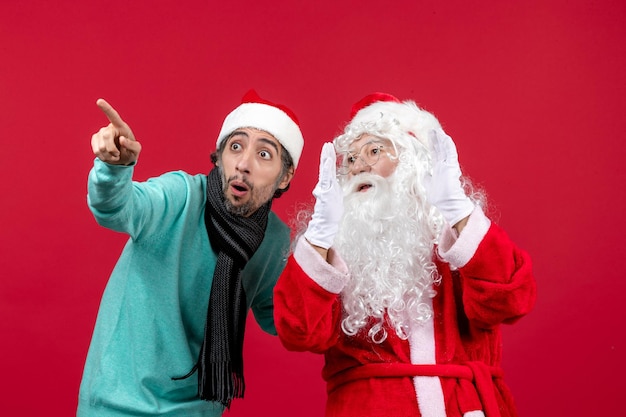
378,141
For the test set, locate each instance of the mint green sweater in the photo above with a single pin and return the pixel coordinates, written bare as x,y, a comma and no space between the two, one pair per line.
152,315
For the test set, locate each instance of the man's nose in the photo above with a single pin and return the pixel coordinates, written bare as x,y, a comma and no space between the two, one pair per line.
244,161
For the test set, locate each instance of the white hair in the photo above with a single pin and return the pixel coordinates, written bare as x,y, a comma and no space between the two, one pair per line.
387,237
388,234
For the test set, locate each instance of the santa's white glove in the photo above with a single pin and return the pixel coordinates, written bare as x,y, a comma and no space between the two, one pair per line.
443,188
328,209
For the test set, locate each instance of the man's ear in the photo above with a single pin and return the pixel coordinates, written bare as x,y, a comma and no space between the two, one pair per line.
286,179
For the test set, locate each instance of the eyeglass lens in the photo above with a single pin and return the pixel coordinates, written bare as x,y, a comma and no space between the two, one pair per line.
368,154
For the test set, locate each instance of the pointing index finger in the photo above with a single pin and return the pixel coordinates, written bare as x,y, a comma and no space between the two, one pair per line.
110,113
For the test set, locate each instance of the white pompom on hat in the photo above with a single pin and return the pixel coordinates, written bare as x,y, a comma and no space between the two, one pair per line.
407,115
275,119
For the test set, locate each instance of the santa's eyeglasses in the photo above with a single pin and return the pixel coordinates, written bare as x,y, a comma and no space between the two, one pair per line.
368,154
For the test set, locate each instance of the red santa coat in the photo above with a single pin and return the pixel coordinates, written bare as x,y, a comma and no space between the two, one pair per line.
449,366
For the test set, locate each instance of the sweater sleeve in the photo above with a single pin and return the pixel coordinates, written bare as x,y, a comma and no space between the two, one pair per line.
109,191
496,276
307,309
137,209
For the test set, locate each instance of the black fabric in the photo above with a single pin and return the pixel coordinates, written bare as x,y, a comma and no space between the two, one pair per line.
235,239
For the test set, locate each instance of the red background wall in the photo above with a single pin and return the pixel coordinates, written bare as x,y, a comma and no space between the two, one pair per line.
533,93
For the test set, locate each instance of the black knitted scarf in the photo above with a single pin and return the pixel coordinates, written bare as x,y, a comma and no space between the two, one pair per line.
235,239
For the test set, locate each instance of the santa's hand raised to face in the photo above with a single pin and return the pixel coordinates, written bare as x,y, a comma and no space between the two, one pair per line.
443,186
328,209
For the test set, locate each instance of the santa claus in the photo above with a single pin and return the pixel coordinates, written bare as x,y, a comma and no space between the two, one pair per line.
399,279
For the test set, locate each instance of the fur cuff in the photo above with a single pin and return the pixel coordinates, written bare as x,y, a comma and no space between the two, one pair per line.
458,251
476,413
332,275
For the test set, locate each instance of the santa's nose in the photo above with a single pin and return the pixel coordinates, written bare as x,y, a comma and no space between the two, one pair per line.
359,166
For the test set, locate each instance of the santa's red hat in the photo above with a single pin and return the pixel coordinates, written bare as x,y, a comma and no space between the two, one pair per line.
406,115
275,119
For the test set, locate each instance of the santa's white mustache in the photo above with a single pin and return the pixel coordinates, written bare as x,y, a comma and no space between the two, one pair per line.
363,182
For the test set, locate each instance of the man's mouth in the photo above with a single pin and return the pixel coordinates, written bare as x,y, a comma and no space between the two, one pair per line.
239,188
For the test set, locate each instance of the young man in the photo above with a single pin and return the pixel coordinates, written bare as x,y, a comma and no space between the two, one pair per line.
202,251
400,280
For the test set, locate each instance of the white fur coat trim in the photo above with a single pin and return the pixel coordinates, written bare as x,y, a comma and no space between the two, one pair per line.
332,275
458,251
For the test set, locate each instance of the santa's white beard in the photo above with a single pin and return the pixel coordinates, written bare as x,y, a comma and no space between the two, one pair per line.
387,242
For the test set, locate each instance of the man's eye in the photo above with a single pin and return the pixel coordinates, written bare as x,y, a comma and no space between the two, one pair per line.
265,154
351,159
235,146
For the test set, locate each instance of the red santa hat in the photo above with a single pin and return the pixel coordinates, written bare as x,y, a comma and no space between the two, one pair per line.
409,117
275,119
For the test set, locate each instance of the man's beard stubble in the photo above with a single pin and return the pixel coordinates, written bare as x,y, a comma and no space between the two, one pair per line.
258,197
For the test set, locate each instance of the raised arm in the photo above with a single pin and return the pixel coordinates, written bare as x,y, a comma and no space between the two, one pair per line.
115,144
328,208
443,186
